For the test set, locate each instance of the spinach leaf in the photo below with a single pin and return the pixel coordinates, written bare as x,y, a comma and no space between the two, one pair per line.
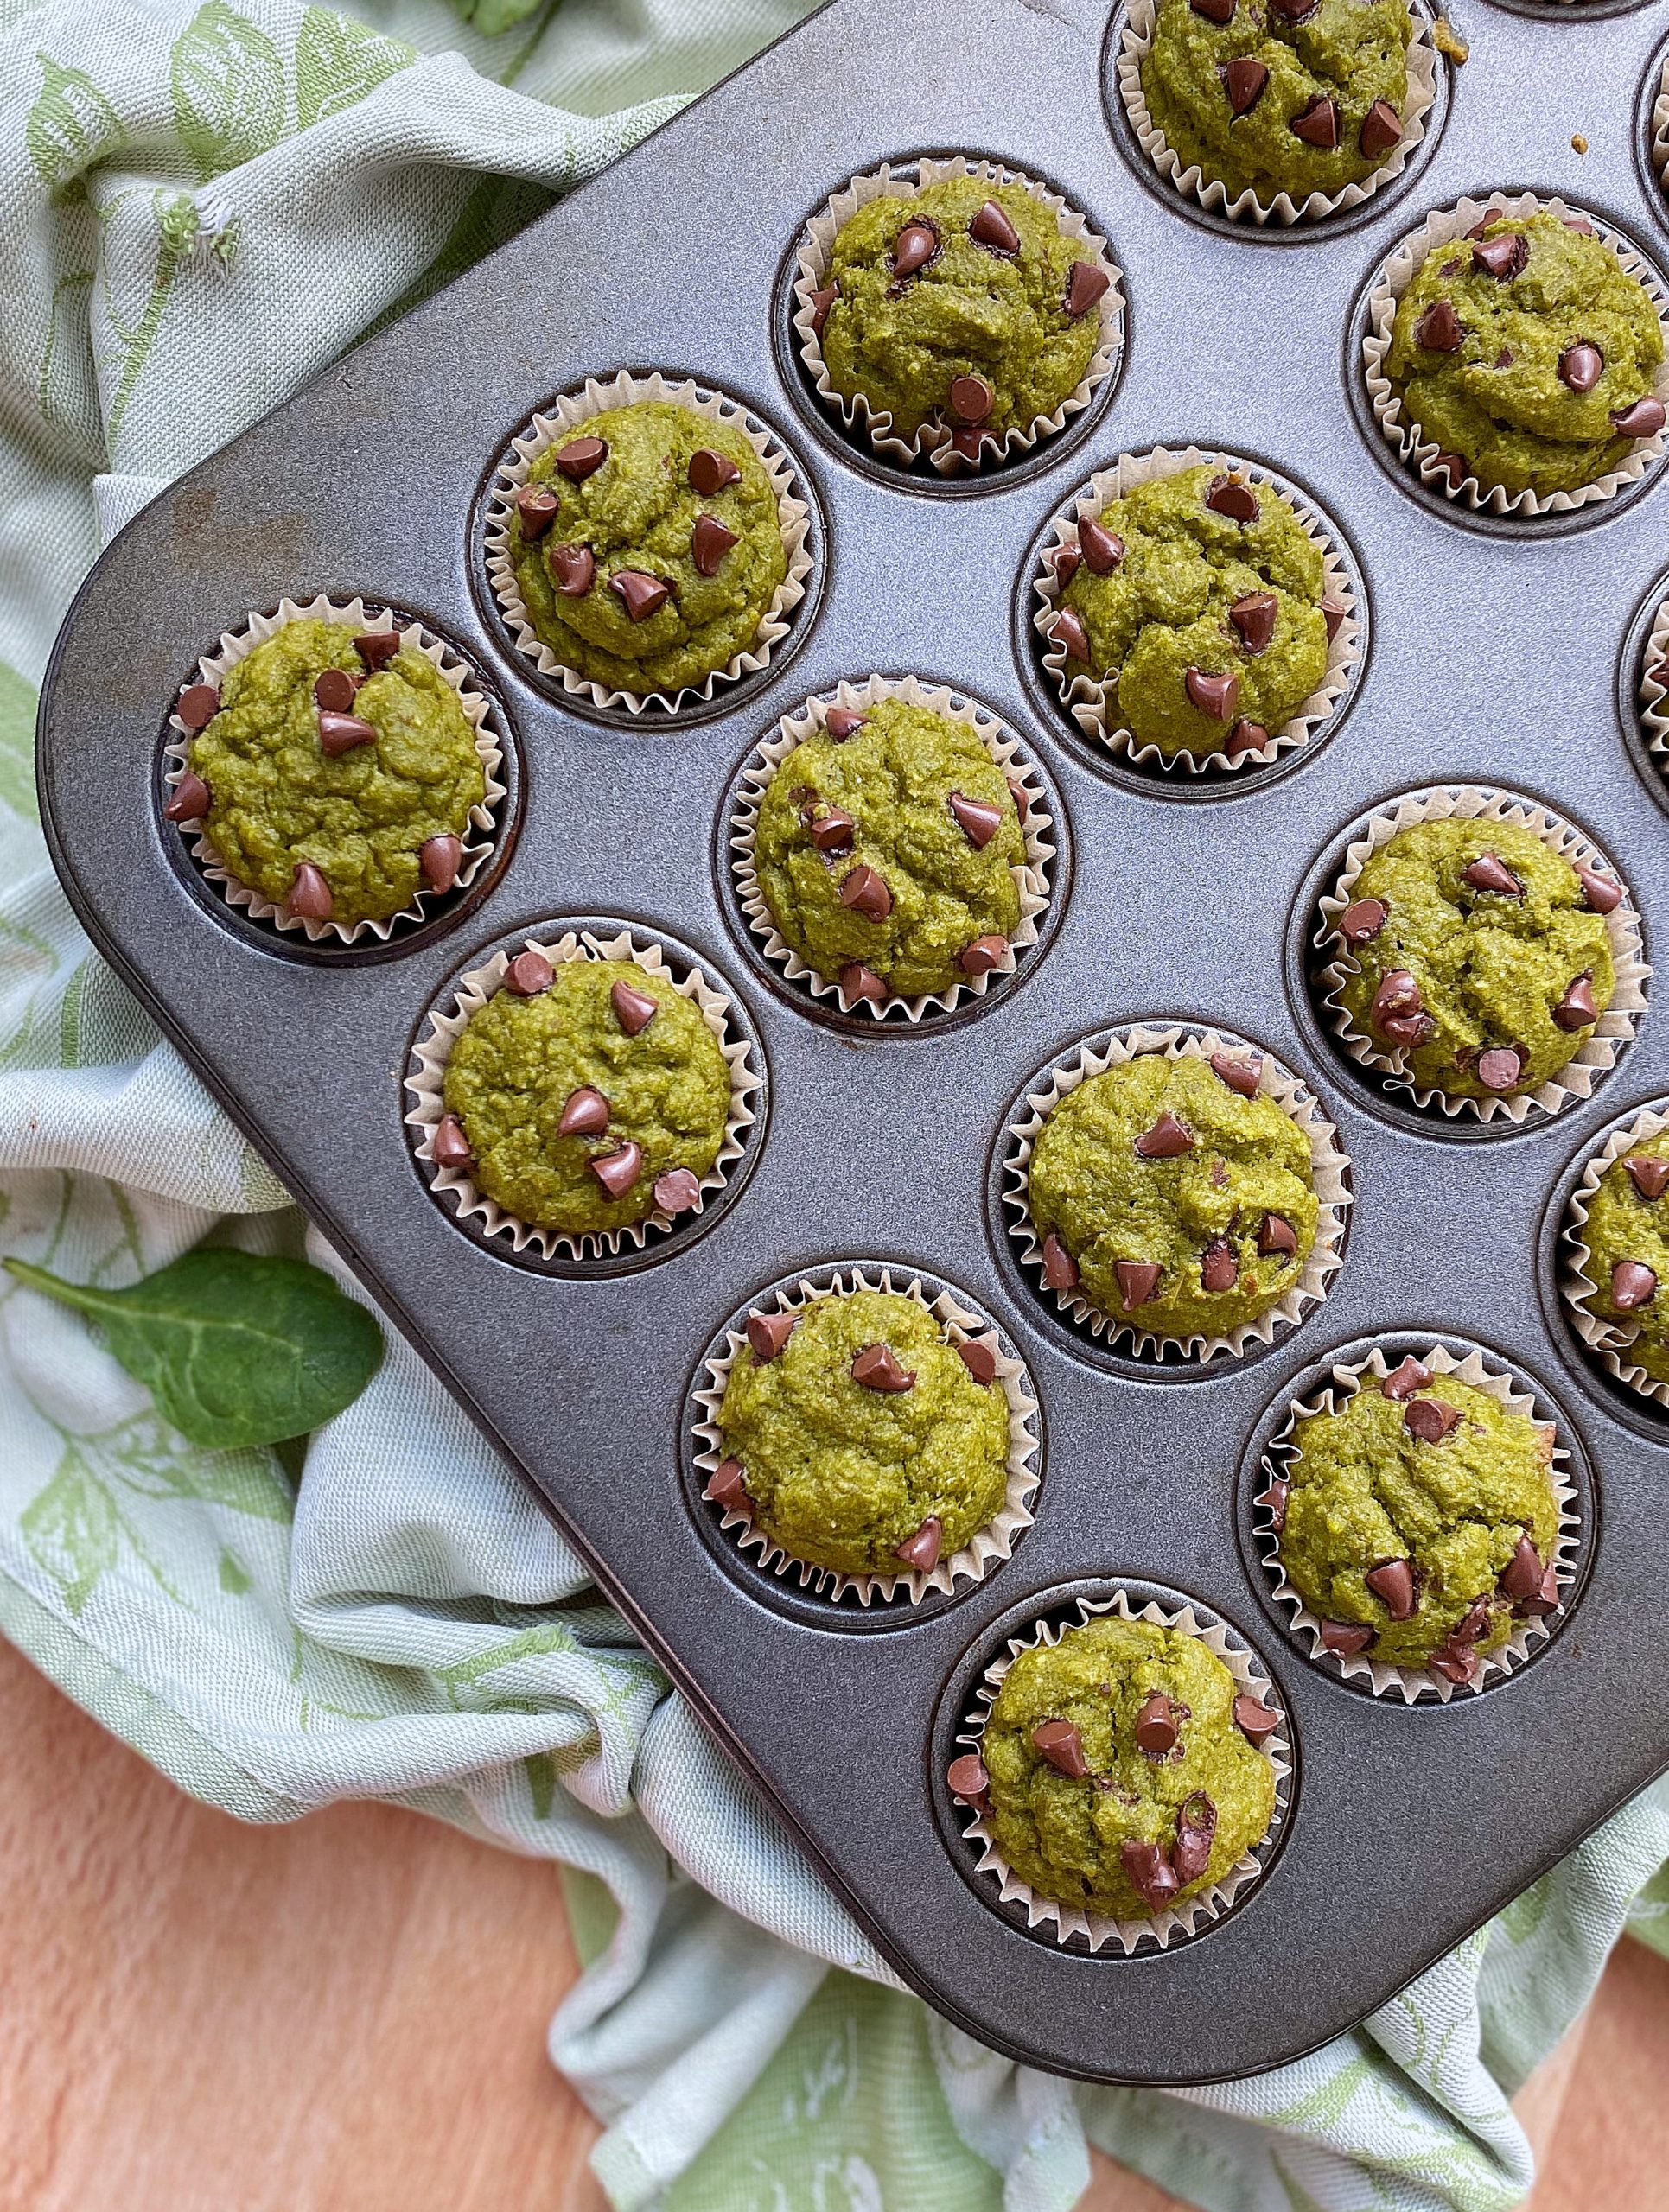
236,1349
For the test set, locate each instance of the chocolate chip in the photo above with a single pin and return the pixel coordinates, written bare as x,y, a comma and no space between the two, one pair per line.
1578,223
1521,1576
841,722
1137,1281
767,1333
618,1171
972,398
1546,1598
1274,1501
1643,420
866,894
1438,330
978,1355
1245,737
333,689
858,982
1103,549
1362,920
832,830
983,954
1504,258
1430,1420
978,821
1392,1583
1473,1624
1601,893
1067,631
1060,1743
821,302
1219,1270
340,733
580,457
1633,1285
1381,130
916,245
1086,284
1244,81
642,595
1065,561
1404,1381
1255,1720
966,1779
440,859
634,1010
1346,1637
1650,1177
1243,1075
710,471
1254,618
921,1551
1453,465
1660,675
1277,1236
990,226
376,648
1317,125
197,705
1490,873
710,542
1149,1873
1166,1140
1294,11
585,1114
529,974
876,1368
1216,695
1233,497
1397,998
1334,611
1022,803
1155,1726
1214,11
189,800
678,1190
726,1486
1577,1007
309,894
1454,1663
574,568
1060,1268
536,509
1196,1830
1499,1067
448,1147
1581,366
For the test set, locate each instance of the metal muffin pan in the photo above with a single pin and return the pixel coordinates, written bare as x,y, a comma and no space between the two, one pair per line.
1495,660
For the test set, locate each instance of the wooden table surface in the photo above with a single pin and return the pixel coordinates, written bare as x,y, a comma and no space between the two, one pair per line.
349,2013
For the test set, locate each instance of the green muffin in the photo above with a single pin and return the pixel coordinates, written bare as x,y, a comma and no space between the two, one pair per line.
992,328
1197,601
591,1094
1293,96
657,564
1480,962
339,771
1528,353
1417,1519
888,856
1625,1255
1088,1816
1177,1204
859,1438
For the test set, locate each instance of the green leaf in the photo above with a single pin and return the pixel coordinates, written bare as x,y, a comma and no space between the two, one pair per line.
71,126
72,1530
235,1349
228,87
338,61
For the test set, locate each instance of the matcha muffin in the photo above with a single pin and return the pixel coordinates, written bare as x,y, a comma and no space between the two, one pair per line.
962,311
1176,1203
1198,603
1478,960
333,772
1624,1254
1280,96
584,1095
889,851
1418,1521
1122,1769
860,1436
1528,354
645,546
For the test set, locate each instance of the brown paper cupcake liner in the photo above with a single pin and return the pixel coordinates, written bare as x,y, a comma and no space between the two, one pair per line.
445,1023
1653,689
1032,881
482,827
1329,1176
566,411
1135,43
1421,454
986,1548
934,439
1071,1923
1472,802
1608,1341
1089,702
1415,1685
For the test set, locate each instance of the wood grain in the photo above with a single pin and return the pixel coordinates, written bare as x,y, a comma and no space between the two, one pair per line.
349,2013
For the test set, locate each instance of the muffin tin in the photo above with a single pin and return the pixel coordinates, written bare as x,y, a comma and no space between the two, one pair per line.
1501,655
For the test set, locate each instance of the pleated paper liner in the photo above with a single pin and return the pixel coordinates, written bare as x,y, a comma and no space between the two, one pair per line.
1660,128
1608,1340
1471,802
1329,1177
1031,882
934,441
481,830
1421,454
1071,1923
567,411
1416,1685
988,1547
445,1023
1654,688
1135,43
1089,702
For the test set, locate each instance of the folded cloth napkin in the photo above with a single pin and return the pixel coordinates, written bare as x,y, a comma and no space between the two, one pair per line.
198,211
